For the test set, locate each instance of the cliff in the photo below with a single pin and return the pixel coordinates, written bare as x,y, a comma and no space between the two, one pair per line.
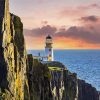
24,78
12,55
87,92
39,80
52,81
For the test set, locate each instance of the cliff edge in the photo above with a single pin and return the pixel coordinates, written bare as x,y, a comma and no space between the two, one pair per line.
13,55
55,82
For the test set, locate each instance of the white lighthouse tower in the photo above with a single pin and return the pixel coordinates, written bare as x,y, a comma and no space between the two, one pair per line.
49,48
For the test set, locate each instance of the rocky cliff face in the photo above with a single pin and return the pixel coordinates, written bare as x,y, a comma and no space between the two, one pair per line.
39,80
64,84
12,55
52,81
87,92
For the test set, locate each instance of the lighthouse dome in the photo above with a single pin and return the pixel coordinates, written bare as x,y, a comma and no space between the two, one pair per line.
48,37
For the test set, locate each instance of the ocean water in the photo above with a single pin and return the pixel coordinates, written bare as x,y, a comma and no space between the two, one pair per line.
86,63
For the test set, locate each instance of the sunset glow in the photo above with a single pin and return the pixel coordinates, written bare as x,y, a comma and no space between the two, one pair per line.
73,25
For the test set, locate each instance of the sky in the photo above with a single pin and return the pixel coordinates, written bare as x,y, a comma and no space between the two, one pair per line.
73,24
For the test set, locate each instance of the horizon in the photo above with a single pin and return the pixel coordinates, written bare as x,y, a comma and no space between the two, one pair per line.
61,49
73,25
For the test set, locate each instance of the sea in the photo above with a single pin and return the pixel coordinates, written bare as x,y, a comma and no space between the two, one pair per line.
86,63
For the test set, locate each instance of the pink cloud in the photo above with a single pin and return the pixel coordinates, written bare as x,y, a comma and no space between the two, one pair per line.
71,12
90,6
91,18
44,22
78,11
89,33
90,22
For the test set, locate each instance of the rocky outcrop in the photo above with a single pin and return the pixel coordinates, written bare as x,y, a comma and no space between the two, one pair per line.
51,84
13,55
87,92
39,80
64,84
61,83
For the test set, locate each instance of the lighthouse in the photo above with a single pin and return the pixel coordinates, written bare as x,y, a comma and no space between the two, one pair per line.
49,48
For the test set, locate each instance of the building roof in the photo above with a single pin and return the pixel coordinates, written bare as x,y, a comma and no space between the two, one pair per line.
48,37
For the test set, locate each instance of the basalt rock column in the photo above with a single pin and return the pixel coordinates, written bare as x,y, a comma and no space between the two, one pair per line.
12,56
4,42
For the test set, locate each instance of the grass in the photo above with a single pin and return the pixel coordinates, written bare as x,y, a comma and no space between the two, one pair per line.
55,68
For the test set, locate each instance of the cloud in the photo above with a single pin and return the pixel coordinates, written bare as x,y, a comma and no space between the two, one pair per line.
89,18
43,31
80,33
78,10
88,31
90,22
44,22
90,6
71,12
76,33
95,5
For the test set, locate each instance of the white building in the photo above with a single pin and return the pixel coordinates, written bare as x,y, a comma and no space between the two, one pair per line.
49,48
